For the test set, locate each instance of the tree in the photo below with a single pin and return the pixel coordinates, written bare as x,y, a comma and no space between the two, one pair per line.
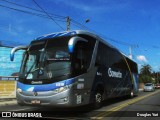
145,74
146,69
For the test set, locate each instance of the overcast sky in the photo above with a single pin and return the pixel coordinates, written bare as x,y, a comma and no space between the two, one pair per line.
133,23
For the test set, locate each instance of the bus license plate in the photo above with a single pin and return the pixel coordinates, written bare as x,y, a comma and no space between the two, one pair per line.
35,102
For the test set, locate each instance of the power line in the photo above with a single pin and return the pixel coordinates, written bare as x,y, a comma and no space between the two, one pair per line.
47,14
13,3
23,11
101,35
111,39
77,24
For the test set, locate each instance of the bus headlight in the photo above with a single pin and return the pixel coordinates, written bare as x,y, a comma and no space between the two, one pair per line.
61,89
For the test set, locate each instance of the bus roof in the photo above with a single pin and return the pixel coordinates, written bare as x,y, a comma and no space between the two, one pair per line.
74,32
77,32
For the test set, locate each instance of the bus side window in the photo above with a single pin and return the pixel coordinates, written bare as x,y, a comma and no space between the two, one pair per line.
80,57
98,57
102,57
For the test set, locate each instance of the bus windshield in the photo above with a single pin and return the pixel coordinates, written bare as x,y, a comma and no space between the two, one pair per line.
47,59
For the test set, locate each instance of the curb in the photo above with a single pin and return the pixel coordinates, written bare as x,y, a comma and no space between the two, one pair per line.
7,97
8,103
7,100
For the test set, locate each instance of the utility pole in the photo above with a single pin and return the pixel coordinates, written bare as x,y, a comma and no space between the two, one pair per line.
68,23
157,77
130,50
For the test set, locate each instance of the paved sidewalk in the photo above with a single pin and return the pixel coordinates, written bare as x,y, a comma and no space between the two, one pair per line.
8,101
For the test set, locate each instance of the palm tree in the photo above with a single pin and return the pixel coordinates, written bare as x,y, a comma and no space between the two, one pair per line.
145,73
146,69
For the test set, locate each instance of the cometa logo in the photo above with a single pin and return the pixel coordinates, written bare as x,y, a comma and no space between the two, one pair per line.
115,74
36,82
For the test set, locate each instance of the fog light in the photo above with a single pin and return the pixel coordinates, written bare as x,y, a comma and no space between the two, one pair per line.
65,99
19,90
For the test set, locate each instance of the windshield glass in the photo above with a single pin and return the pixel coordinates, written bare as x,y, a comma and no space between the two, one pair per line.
148,84
46,60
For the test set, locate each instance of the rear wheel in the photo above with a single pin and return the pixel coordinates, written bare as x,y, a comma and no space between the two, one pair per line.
131,95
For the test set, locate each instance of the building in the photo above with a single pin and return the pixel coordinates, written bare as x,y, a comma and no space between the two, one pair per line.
7,67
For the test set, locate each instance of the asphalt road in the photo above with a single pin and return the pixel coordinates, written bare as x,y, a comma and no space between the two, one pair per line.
146,106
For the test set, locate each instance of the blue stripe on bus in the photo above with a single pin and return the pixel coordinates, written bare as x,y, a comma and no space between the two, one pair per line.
56,35
44,87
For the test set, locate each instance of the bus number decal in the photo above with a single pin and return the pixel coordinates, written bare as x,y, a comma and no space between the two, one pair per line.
60,84
79,99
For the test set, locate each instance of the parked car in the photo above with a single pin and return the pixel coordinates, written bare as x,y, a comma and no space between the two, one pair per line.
149,87
157,86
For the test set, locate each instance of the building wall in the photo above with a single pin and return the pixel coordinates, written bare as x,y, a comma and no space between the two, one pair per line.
7,67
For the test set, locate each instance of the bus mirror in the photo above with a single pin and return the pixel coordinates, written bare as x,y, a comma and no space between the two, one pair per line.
72,42
15,49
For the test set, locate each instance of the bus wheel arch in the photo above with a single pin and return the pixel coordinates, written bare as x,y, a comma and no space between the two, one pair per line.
98,96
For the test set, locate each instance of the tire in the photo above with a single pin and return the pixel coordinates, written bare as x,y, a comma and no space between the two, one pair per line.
98,98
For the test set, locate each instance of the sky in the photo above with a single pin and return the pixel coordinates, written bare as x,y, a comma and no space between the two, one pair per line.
123,23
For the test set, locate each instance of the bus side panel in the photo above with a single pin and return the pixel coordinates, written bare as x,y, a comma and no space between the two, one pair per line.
113,86
82,87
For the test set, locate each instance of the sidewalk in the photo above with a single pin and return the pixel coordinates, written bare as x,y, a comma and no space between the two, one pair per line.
7,101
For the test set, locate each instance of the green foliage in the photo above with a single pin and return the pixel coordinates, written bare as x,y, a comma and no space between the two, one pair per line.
145,79
146,69
145,74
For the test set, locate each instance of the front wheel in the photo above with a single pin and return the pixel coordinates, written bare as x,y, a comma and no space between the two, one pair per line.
98,99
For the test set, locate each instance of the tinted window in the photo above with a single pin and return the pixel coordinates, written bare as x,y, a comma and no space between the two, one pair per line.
110,57
148,84
82,55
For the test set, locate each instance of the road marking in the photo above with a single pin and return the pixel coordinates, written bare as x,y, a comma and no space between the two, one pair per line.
108,112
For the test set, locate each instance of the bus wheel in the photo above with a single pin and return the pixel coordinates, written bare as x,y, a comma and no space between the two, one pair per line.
98,99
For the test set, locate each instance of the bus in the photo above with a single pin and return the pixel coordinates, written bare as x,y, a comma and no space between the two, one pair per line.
73,68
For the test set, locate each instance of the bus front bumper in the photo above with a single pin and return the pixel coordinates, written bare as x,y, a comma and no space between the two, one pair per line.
47,98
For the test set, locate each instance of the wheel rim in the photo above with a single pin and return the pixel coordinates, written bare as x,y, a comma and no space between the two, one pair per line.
98,98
